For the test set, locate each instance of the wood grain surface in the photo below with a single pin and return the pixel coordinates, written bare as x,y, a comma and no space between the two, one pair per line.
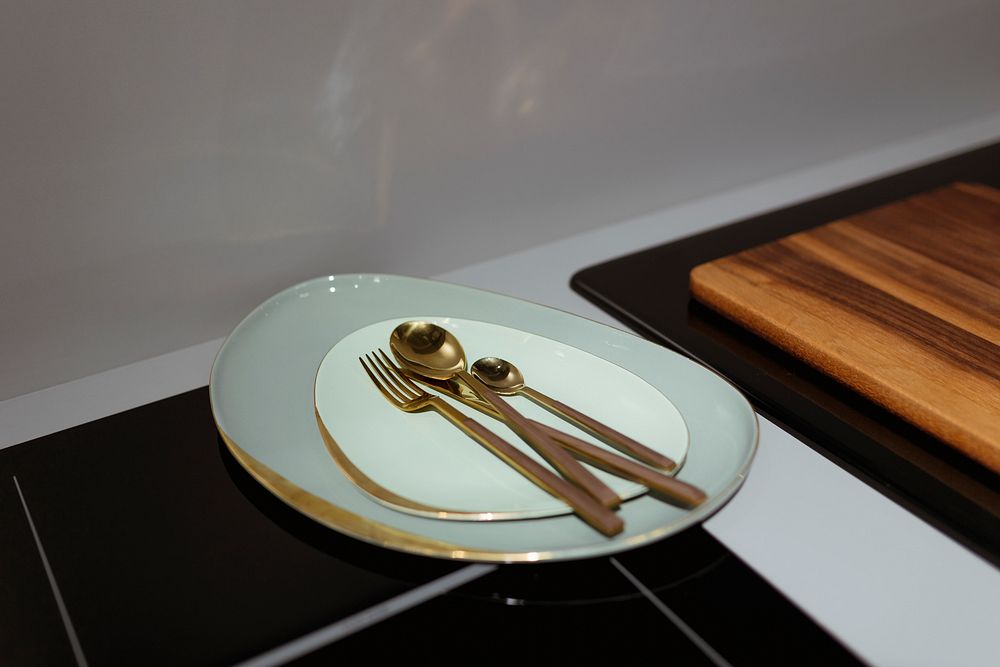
901,303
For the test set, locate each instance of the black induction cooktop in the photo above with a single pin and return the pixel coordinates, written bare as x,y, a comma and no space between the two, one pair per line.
138,540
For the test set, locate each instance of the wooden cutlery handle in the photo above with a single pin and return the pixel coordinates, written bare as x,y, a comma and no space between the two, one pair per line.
663,486
558,457
619,441
584,505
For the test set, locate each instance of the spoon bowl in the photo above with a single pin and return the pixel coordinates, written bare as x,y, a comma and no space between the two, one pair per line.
499,375
428,349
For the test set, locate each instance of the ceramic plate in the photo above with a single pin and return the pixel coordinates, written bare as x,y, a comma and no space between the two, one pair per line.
421,463
262,398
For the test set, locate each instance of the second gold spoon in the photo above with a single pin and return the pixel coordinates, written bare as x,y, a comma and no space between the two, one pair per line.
505,379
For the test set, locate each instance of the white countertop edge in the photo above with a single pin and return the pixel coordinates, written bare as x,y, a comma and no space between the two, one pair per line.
893,589
70,404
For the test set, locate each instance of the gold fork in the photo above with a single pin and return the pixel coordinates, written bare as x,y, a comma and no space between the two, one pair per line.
405,395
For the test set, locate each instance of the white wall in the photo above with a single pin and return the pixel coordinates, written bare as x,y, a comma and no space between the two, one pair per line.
168,165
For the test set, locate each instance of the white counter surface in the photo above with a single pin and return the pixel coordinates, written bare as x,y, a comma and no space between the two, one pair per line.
893,589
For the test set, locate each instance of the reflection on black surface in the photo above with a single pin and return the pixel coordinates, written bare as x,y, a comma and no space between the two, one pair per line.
554,615
575,582
455,631
400,566
739,614
596,580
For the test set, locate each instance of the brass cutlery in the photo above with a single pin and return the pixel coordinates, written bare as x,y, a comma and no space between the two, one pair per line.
431,351
665,487
431,355
404,394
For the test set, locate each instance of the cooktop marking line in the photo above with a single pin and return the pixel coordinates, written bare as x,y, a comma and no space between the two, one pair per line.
695,638
368,617
63,612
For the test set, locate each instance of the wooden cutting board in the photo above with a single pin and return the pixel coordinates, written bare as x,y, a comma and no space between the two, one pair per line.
901,303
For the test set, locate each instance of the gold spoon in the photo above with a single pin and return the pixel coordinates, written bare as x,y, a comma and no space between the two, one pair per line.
434,352
505,379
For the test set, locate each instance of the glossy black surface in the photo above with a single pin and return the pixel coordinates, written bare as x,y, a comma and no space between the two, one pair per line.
160,557
590,612
167,552
648,290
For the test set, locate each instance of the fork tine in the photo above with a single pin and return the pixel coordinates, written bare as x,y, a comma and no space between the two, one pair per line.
391,397
396,376
400,373
387,380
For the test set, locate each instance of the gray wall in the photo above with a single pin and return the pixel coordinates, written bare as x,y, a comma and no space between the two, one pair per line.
168,165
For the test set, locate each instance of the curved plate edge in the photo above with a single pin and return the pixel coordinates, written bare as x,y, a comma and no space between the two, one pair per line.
393,500
372,532
378,534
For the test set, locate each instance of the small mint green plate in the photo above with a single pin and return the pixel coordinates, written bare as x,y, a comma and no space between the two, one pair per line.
422,464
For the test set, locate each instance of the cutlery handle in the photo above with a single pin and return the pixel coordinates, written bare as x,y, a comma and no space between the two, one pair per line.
619,441
663,486
586,506
557,457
